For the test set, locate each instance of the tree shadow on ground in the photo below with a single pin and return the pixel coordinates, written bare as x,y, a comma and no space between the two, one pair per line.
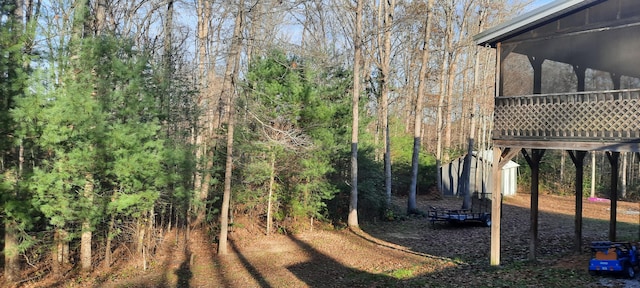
159,279
323,271
184,271
470,242
260,279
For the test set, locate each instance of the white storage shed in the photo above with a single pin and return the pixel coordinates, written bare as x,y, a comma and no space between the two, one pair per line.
480,175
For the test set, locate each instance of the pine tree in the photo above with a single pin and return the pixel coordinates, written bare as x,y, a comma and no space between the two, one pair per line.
16,41
134,148
297,119
72,125
101,141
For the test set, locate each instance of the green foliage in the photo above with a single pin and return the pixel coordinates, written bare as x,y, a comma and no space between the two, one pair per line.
17,211
16,206
549,174
82,137
97,126
178,166
551,182
13,76
401,155
297,116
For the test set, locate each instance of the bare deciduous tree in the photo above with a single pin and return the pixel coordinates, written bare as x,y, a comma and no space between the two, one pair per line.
418,113
231,76
352,219
466,172
387,9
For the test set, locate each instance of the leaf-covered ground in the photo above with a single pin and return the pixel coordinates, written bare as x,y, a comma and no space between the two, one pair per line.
403,253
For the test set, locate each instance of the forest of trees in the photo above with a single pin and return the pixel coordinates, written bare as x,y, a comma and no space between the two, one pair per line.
123,119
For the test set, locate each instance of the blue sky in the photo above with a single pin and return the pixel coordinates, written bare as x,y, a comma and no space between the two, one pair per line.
538,3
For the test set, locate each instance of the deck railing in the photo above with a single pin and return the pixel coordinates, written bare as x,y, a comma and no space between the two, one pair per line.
583,116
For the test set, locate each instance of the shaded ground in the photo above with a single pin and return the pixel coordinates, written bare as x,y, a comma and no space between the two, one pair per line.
406,253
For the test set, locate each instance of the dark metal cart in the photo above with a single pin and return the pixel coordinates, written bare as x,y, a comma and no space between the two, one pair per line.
458,216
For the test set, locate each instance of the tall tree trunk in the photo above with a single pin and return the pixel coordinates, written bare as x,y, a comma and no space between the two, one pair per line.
61,251
442,116
226,197
352,219
10,251
418,113
101,17
85,238
80,16
231,75
439,140
110,234
81,28
85,246
21,17
203,10
465,93
204,137
409,106
272,178
167,61
466,168
151,232
449,102
255,21
140,238
387,8
453,68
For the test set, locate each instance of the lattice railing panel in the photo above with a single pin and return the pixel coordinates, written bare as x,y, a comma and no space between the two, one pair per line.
584,116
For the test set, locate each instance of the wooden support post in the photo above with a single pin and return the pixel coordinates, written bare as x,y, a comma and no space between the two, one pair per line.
613,159
496,198
500,158
534,163
578,160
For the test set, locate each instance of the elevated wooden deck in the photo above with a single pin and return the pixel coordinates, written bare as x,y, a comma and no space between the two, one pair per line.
601,120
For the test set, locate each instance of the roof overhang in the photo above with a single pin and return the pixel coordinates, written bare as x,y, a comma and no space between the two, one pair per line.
530,20
602,35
